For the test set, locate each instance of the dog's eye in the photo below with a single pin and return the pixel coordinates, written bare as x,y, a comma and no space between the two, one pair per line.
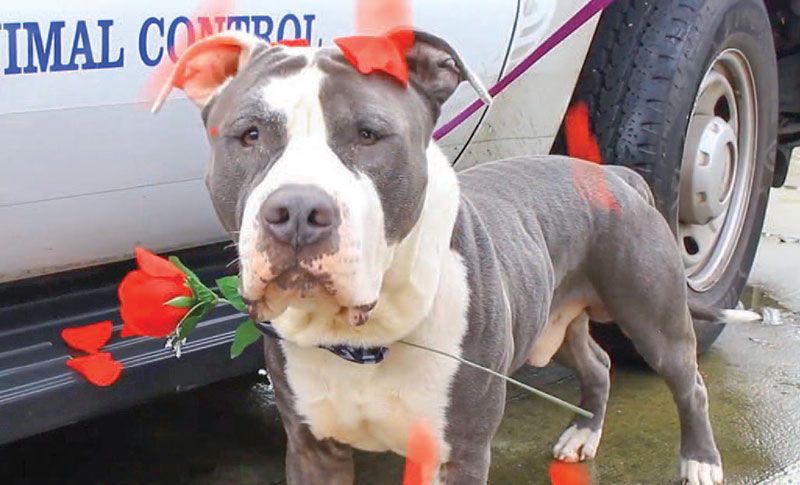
367,137
250,136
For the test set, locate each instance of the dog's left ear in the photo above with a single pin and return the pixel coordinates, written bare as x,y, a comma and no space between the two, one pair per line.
437,69
207,64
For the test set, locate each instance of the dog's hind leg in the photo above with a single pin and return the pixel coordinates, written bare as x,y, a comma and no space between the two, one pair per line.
581,353
662,333
636,270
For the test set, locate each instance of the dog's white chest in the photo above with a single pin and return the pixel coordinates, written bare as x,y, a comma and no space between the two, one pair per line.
372,407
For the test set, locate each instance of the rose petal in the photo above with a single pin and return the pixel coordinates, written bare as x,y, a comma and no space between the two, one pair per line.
99,369
368,54
156,265
142,304
563,473
421,455
403,39
88,338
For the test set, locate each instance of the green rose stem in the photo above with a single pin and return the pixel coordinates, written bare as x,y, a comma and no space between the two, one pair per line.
531,389
247,333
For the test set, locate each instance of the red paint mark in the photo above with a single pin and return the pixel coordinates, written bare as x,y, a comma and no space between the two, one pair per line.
422,455
208,8
213,132
376,17
563,473
589,179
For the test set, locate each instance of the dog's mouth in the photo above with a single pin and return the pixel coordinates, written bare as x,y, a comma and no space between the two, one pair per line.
301,289
303,284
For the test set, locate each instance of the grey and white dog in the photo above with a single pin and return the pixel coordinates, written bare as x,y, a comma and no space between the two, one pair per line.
353,229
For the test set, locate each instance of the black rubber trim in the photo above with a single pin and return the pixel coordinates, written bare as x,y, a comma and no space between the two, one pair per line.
38,392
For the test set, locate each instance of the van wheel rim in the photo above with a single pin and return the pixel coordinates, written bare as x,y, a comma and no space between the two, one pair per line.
717,169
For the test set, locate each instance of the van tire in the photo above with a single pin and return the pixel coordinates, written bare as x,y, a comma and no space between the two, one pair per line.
640,81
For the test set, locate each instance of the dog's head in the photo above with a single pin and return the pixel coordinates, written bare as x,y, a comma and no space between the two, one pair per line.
320,172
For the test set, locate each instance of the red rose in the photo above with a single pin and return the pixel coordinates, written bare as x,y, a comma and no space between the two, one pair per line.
143,295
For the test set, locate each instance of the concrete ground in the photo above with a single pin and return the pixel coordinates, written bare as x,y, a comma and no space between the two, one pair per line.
230,433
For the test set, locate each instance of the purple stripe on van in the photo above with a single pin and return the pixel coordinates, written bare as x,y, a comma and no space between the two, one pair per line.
574,23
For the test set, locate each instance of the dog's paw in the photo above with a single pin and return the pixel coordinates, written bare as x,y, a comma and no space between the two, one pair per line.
577,444
695,472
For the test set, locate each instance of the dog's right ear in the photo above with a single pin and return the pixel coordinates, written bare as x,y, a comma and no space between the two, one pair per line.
207,64
437,69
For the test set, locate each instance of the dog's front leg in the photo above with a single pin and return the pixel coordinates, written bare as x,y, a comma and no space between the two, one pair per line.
467,466
476,408
309,461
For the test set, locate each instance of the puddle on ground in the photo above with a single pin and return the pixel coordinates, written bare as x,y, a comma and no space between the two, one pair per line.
757,299
772,312
231,434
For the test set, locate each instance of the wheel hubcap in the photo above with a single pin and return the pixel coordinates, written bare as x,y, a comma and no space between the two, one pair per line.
717,169
707,179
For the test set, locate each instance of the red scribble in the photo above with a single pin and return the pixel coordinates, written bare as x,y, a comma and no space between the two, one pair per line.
376,17
88,338
291,42
591,184
589,179
422,455
581,143
384,53
209,8
563,473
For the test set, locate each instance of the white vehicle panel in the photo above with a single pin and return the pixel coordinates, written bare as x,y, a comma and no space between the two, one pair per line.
526,117
88,172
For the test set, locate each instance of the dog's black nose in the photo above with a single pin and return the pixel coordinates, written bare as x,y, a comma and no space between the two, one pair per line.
299,215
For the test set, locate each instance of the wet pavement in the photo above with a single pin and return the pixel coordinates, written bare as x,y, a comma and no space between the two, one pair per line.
230,433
